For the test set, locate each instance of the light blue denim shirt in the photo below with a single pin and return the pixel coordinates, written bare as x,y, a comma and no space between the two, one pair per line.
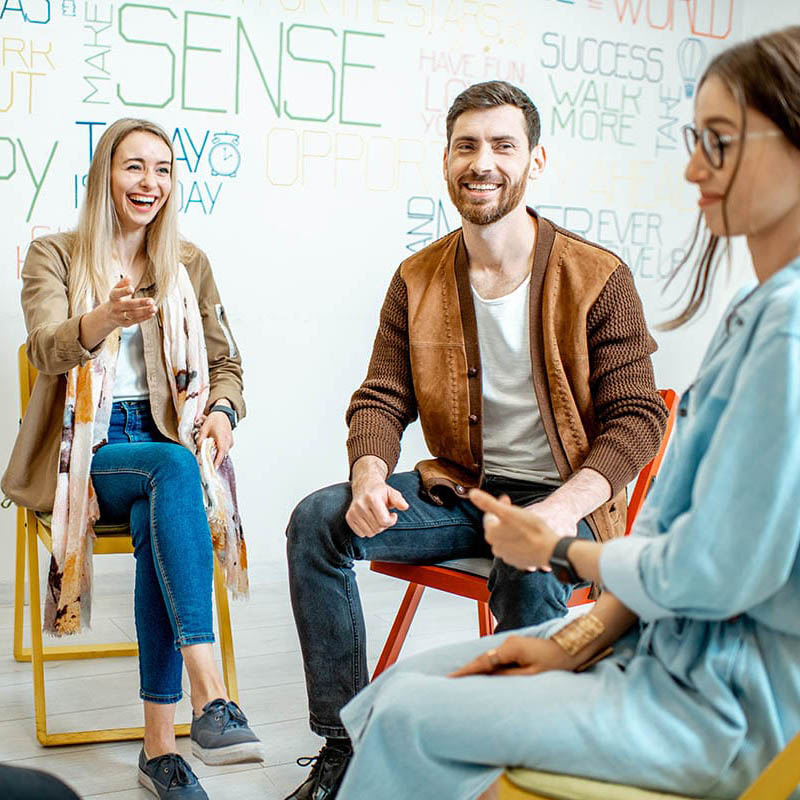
712,566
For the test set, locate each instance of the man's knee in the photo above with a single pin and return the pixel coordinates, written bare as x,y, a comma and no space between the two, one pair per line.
317,518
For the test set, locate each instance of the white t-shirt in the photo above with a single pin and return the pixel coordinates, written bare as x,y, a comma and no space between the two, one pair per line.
514,440
130,382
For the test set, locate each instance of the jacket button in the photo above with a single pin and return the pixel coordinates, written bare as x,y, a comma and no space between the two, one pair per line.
473,419
472,372
476,466
460,489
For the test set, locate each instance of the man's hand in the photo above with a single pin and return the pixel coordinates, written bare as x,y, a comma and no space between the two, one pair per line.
370,510
520,655
516,535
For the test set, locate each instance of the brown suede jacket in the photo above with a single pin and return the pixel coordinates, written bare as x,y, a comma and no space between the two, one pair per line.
590,362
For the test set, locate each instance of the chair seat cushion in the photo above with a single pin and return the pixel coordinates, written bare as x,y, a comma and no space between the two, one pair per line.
569,787
100,529
472,566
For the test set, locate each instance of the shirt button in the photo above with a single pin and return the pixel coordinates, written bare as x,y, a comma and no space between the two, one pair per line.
472,372
460,489
683,412
473,419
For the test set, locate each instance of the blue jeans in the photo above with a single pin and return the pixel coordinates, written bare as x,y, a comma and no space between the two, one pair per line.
321,550
143,478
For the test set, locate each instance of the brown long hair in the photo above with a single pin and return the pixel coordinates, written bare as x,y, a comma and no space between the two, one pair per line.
764,74
89,277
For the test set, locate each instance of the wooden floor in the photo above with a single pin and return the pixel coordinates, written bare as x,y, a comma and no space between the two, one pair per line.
104,692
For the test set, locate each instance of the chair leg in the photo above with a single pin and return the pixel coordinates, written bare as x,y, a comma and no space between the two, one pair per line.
399,631
225,633
19,588
37,654
485,619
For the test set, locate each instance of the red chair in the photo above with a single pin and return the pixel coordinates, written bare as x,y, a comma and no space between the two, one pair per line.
466,577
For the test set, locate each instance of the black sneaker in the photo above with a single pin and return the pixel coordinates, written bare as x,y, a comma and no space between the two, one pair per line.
169,777
327,771
221,735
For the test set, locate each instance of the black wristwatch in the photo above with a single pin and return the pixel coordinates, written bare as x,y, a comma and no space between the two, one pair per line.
559,561
228,412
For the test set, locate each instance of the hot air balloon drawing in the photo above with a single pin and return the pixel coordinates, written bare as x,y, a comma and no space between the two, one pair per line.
691,57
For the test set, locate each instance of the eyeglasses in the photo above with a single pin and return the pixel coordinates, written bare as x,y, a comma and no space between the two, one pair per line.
713,144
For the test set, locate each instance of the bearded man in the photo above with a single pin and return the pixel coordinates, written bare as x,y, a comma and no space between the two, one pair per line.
524,351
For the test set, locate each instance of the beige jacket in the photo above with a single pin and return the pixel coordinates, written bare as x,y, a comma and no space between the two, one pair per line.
54,348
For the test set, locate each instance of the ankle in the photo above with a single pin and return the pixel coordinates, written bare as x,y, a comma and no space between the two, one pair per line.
340,744
153,748
201,699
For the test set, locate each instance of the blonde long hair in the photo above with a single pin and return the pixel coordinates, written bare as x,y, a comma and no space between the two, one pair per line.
90,272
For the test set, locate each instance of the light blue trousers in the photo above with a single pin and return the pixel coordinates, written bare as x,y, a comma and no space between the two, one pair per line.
418,734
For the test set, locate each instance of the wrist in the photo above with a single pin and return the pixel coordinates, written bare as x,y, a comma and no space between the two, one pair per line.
368,469
560,562
224,408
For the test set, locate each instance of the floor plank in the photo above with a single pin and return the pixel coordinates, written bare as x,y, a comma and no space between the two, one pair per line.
104,692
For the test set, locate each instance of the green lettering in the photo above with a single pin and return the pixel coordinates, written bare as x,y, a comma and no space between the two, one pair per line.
353,64
163,45
37,185
312,61
187,47
240,31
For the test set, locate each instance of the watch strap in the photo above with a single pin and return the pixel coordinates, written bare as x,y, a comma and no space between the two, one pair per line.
560,563
227,411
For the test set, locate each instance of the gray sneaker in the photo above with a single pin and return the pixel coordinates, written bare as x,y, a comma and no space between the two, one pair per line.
221,735
169,777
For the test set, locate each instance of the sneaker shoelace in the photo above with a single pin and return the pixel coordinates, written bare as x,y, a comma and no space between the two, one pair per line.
175,769
228,711
317,762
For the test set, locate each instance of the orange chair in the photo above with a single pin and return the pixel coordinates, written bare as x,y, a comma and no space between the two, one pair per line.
467,577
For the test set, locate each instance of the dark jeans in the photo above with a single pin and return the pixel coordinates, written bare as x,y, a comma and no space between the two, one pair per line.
327,610
154,484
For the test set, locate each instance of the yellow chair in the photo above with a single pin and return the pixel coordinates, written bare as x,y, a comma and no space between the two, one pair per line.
776,782
110,539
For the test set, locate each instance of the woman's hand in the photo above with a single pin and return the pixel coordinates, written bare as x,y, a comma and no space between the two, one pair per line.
517,535
217,426
121,310
124,310
520,655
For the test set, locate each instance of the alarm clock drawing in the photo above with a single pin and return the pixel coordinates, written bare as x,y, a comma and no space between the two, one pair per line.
224,157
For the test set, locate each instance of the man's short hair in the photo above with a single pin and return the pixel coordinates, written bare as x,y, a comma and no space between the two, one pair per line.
489,95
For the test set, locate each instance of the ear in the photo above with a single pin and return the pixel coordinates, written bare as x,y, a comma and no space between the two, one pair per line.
538,162
444,164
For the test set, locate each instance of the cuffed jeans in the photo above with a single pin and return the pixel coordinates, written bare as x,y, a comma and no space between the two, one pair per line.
327,609
154,484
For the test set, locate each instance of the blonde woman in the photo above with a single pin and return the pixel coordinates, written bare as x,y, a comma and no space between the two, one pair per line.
131,418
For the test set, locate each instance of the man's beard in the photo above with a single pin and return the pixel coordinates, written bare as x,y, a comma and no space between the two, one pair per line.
510,196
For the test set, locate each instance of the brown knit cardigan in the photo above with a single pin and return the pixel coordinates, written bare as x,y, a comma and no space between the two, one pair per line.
590,363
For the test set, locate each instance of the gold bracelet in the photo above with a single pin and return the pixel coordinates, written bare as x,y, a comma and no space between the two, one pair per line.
579,633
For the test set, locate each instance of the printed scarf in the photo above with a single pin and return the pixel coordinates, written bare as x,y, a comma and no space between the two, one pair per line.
87,411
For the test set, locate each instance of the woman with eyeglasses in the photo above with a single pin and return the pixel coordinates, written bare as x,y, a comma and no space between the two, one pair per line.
701,602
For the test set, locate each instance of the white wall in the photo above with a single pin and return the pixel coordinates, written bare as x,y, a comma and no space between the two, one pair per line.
340,174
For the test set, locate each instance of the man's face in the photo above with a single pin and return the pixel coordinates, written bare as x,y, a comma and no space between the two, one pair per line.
488,163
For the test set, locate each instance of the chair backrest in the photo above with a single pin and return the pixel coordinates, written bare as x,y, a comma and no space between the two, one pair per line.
648,473
27,377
